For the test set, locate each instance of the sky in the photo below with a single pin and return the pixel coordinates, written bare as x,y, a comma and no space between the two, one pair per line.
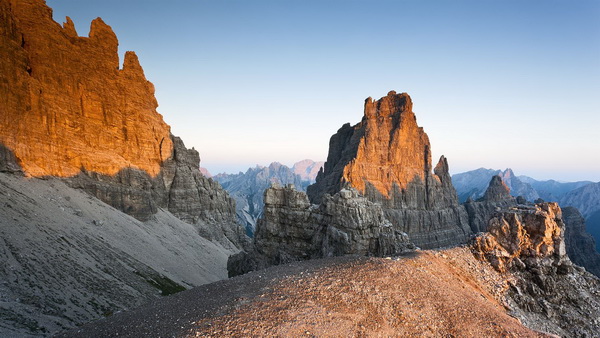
494,83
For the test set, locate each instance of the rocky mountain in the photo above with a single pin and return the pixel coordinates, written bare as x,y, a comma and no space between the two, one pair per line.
585,198
74,118
551,190
248,188
496,197
473,184
71,111
581,245
387,158
548,293
291,229
205,172
517,277
307,169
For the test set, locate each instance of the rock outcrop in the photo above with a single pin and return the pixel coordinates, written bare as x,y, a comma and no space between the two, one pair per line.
248,189
292,229
387,158
581,246
547,292
70,111
497,197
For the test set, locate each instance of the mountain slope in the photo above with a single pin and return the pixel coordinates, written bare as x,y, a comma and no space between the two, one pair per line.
472,184
552,190
68,258
586,199
431,293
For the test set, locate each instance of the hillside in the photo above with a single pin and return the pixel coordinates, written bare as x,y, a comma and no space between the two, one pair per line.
68,258
429,293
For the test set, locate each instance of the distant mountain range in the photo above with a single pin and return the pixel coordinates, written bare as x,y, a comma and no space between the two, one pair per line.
583,195
247,188
472,184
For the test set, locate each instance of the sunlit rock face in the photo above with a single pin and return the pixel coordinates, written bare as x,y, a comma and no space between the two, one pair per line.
387,157
546,291
69,110
66,103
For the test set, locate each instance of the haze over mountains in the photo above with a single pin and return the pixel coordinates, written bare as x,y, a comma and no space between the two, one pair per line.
103,210
583,195
248,188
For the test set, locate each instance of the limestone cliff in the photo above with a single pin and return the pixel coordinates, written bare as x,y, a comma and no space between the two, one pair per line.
248,189
67,104
547,292
387,157
69,110
496,197
291,229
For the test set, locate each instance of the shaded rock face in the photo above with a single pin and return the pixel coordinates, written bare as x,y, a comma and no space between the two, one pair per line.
496,198
581,246
586,199
292,229
248,189
547,292
387,158
497,191
69,111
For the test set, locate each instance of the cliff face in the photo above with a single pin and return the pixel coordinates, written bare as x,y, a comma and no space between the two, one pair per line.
496,197
581,246
291,229
547,292
248,189
67,105
387,157
70,111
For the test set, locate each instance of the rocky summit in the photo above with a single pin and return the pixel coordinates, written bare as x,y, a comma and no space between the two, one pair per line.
387,158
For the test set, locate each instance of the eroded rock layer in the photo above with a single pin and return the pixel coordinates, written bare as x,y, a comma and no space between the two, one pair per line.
67,104
292,229
547,292
69,110
387,157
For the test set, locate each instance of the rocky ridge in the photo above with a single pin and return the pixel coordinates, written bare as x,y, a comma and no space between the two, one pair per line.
496,197
387,158
292,229
547,292
473,184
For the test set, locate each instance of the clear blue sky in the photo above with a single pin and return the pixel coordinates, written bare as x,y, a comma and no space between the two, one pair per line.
495,84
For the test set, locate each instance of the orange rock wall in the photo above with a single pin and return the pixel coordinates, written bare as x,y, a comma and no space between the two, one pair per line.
394,149
65,103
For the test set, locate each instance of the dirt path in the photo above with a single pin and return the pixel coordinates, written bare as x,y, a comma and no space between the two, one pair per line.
431,294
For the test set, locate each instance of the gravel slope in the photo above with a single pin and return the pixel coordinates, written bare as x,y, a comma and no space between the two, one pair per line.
431,293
